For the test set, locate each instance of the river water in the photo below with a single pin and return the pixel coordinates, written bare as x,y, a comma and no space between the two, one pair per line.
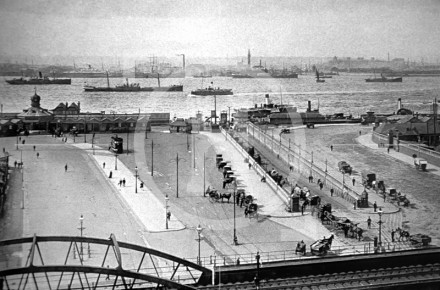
347,93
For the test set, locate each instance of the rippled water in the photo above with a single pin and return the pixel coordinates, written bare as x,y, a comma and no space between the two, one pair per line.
345,93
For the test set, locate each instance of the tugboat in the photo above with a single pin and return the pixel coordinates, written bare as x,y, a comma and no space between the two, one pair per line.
39,81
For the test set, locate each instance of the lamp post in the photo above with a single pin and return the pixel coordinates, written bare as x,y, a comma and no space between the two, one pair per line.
177,172
257,276
136,179
152,146
235,230
116,161
204,161
166,211
199,231
81,228
380,226
16,144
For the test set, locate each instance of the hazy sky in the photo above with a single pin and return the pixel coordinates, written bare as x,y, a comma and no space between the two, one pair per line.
142,28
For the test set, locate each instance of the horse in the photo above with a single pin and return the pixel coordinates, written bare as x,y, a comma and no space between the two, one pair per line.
403,235
214,195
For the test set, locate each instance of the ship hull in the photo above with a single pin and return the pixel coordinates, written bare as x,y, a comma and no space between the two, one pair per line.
135,89
91,75
384,80
39,82
212,92
143,75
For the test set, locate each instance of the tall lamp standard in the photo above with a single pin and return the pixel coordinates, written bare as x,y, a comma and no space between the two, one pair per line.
166,211
380,226
136,179
257,276
81,228
116,161
235,229
199,231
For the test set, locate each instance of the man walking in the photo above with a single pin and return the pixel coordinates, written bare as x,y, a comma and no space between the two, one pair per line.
369,222
354,181
38,155
123,182
375,206
65,168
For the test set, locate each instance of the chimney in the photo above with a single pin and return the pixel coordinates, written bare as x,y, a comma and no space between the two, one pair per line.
399,104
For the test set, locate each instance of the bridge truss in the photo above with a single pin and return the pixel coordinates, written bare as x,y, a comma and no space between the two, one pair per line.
66,262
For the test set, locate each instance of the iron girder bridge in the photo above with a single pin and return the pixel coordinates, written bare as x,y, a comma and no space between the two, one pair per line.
72,262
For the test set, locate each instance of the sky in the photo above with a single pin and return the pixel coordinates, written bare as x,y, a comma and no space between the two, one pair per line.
220,28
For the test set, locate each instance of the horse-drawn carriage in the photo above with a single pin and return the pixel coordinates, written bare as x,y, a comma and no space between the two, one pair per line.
321,247
398,197
368,179
420,164
344,167
420,239
214,195
251,210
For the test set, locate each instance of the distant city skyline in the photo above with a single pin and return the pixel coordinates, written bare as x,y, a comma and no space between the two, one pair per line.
213,28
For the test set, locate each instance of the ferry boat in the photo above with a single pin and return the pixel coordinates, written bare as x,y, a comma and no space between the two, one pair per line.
212,92
39,81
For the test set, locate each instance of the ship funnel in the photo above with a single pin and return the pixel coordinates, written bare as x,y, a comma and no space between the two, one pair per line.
399,104
267,99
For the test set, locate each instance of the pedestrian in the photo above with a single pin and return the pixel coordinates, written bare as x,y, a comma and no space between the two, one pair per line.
15,163
319,181
241,199
249,165
19,138
291,168
120,182
22,142
302,209
34,147
354,181
110,174
123,182
331,147
332,191
392,235
321,185
38,154
65,168
369,222
384,196
375,206
360,133
310,179
237,198
388,149
345,230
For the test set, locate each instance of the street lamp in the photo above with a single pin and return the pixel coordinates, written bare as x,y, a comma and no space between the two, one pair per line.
116,161
135,181
166,211
81,228
199,231
257,276
235,230
380,226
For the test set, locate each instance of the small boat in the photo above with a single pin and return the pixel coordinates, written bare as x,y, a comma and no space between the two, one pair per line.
318,80
202,76
384,79
39,81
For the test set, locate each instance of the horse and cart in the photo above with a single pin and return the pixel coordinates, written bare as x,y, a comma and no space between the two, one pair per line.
214,195
321,247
